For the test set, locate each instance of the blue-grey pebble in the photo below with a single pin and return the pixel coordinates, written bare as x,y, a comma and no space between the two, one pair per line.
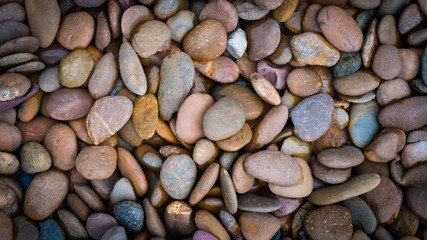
130,215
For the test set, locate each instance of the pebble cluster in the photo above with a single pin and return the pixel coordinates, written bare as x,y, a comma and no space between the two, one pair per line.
213,120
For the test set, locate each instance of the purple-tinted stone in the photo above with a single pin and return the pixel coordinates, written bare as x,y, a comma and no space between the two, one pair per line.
277,75
52,54
202,235
125,4
288,205
6,105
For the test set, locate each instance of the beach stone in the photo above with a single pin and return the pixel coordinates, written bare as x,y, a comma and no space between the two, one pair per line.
201,44
154,223
334,20
348,64
131,70
258,225
9,203
356,84
176,79
130,215
92,167
387,69
202,235
230,223
130,169
122,191
254,203
205,221
13,85
312,117
76,30
241,179
75,68
115,233
410,64
28,44
265,89
43,18
387,31
406,223
329,175
222,69
181,24
214,126
9,164
259,47
309,22
410,18
344,157
385,146
294,23
237,141
151,37
13,30
385,201
392,91
286,172
10,137
353,187
78,206
222,11
16,59
45,193
145,115
34,158
329,222
179,219
237,43
28,68
102,123
414,154
98,223
361,214
12,11
415,176
205,183
50,229
165,9
90,197
304,82
52,54
313,49
295,147
24,228
104,187
408,114
414,199
248,10
132,17
49,80
176,184
90,3
363,116
104,76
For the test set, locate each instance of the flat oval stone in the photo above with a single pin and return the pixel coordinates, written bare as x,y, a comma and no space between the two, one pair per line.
222,69
410,18
344,157
52,54
76,30
130,215
104,76
296,148
154,223
223,119
71,224
410,64
329,175
304,82
415,197
284,11
385,146
387,30
13,85
254,203
132,17
145,115
241,179
415,177
68,104
361,214
179,219
202,235
98,223
387,69
78,206
92,167
176,79
207,222
13,30
259,47
228,191
408,114
230,223
414,154
353,187
49,80
151,37
223,11
356,84
28,68
274,167
10,137
50,229
248,10
258,225
166,9
9,164
334,21
107,116
75,68
363,116
181,24
392,91
237,141
131,70
206,41
45,193
122,191
12,11
178,176
34,158
312,117
16,59
24,228
27,44
384,200
115,233
206,182
330,222
43,18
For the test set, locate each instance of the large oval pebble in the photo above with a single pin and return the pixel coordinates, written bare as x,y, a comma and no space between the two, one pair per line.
69,104
363,125
344,157
259,46
145,115
131,70
96,162
356,84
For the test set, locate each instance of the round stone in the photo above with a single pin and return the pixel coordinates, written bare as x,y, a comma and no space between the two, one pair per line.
151,37
258,225
13,85
98,223
223,11
387,62
259,46
130,215
304,82
76,30
91,166
34,158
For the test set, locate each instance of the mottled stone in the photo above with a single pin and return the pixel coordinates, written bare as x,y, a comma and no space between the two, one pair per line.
75,68
50,230
363,124
181,24
43,18
207,222
258,225
348,64
258,46
329,175
151,37
130,215
131,70
361,214
344,157
178,176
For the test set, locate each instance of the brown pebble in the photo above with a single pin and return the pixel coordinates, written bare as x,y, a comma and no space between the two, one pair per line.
61,143
304,82
92,167
222,11
260,47
76,30
387,62
258,225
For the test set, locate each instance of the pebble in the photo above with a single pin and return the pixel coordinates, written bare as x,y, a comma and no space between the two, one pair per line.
356,84
16,59
9,203
130,169
334,21
389,69
329,175
392,91
45,194
415,177
34,158
52,54
24,228
76,30
406,223
385,201
43,18
13,85
237,43
408,114
9,164
313,49
75,68
361,214
132,17
176,79
104,76
414,199
363,116
237,141
353,187
370,44
414,154
410,64
206,182
131,70
200,235
10,137
260,47
286,172
309,22
90,3
228,191
248,10
98,223
222,11
277,75
165,9
179,219
49,80
92,167
329,222
265,90
150,38
26,44
344,157
230,223
50,230
295,147
312,117
145,115
77,206
90,197
122,191
115,233
13,30
205,221
348,64
206,41
241,179
178,176
410,18
385,146
12,11
130,215
254,203
153,221
304,82
181,24
258,225
222,69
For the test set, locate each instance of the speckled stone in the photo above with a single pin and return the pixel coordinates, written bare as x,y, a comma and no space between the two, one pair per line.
254,203
312,117
361,214
237,43
49,229
363,125
181,24
130,215
349,63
